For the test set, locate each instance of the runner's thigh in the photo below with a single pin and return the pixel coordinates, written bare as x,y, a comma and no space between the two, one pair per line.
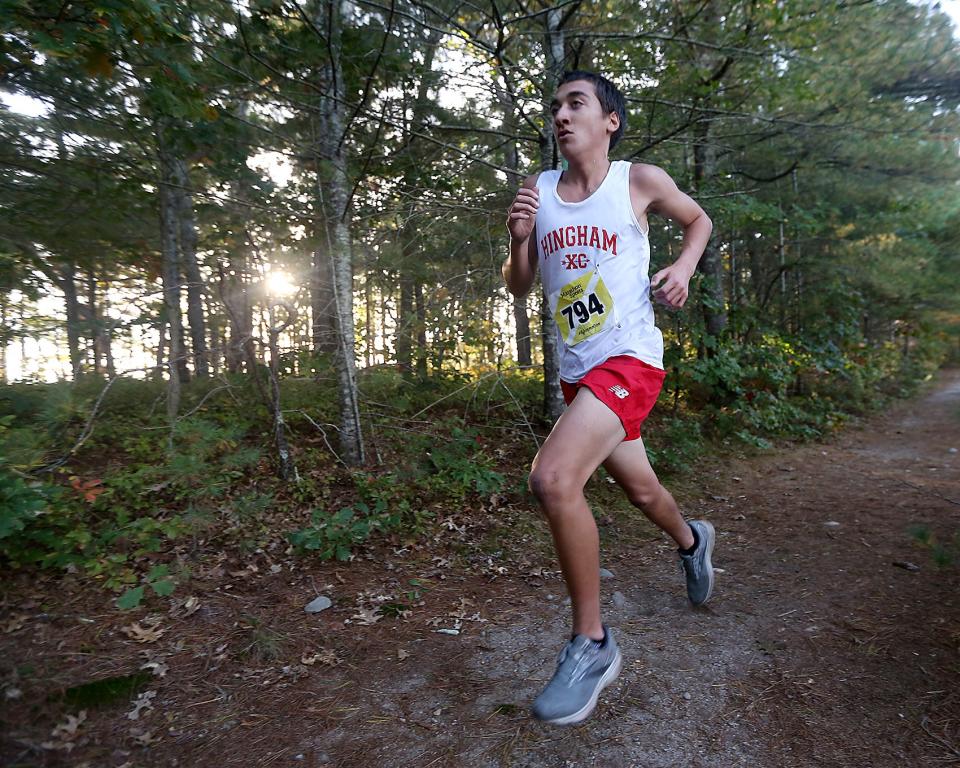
630,467
586,434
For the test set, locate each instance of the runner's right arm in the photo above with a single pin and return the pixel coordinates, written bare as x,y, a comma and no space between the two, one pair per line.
520,269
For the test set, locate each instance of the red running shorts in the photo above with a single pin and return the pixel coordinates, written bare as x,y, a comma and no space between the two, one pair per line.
627,386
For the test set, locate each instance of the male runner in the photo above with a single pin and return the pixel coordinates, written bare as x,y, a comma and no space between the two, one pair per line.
586,229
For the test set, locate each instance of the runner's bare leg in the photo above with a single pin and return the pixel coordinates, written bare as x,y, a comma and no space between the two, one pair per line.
630,467
585,435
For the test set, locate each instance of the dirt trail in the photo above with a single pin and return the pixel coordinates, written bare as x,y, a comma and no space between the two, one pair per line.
817,648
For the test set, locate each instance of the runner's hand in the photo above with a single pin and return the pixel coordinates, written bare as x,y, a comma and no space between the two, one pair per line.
670,285
522,214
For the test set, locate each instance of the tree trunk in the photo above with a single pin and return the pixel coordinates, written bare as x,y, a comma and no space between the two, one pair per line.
176,362
161,346
421,308
333,190
69,287
713,301
4,340
239,312
411,330
93,322
405,318
521,320
511,161
549,159
234,284
552,394
215,336
68,277
187,231
713,67
369,309
322,306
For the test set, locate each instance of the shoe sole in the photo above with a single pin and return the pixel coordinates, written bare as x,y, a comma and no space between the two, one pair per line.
712,535
582,714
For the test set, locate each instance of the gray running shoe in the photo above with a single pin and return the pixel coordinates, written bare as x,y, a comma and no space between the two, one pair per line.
583,670
697,567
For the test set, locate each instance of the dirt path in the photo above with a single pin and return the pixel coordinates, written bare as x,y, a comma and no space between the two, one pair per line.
817,648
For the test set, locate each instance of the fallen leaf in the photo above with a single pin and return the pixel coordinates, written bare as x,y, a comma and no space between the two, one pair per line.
144,701
143,738
367,616
89,489
190,605
157,667
326,656
142,634
14,623
69,728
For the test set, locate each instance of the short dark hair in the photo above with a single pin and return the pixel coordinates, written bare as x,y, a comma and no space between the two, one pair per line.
611,100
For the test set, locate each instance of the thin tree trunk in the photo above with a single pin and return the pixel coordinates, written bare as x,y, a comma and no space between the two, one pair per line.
411,330
405,319
240,313
713,302
322,305
4,299
782,279
171,292
68,276
214,336
187,231
511,161
69,287
713,67
421,331
288,468
93,322
161,345
333,190
549,159
521,319
234,285
369,309
106,332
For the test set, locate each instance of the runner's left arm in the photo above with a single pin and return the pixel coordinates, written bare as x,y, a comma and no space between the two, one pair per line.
671,284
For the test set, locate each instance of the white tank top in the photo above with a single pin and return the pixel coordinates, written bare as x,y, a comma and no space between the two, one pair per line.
594,260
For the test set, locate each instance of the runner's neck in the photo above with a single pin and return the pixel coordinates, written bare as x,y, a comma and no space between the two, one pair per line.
584,177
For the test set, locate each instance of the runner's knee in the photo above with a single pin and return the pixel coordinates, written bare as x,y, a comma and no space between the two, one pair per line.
644,496
550,486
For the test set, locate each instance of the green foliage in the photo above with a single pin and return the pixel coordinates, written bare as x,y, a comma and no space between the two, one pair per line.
23,504
675,444
107,523
106,691
460,465
334,535
942,553
158,579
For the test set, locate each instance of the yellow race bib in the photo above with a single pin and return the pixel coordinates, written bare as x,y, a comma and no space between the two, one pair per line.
583,308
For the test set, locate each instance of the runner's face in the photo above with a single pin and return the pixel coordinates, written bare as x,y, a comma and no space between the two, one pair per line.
580,124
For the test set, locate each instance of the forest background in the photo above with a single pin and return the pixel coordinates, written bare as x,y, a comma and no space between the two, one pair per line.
261,243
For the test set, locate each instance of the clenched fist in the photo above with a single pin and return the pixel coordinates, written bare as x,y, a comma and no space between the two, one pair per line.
522,214
670,285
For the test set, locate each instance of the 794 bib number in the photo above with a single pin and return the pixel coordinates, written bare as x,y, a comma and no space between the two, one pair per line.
583,307
578,312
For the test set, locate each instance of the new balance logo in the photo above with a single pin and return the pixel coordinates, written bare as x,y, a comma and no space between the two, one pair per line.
619,391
